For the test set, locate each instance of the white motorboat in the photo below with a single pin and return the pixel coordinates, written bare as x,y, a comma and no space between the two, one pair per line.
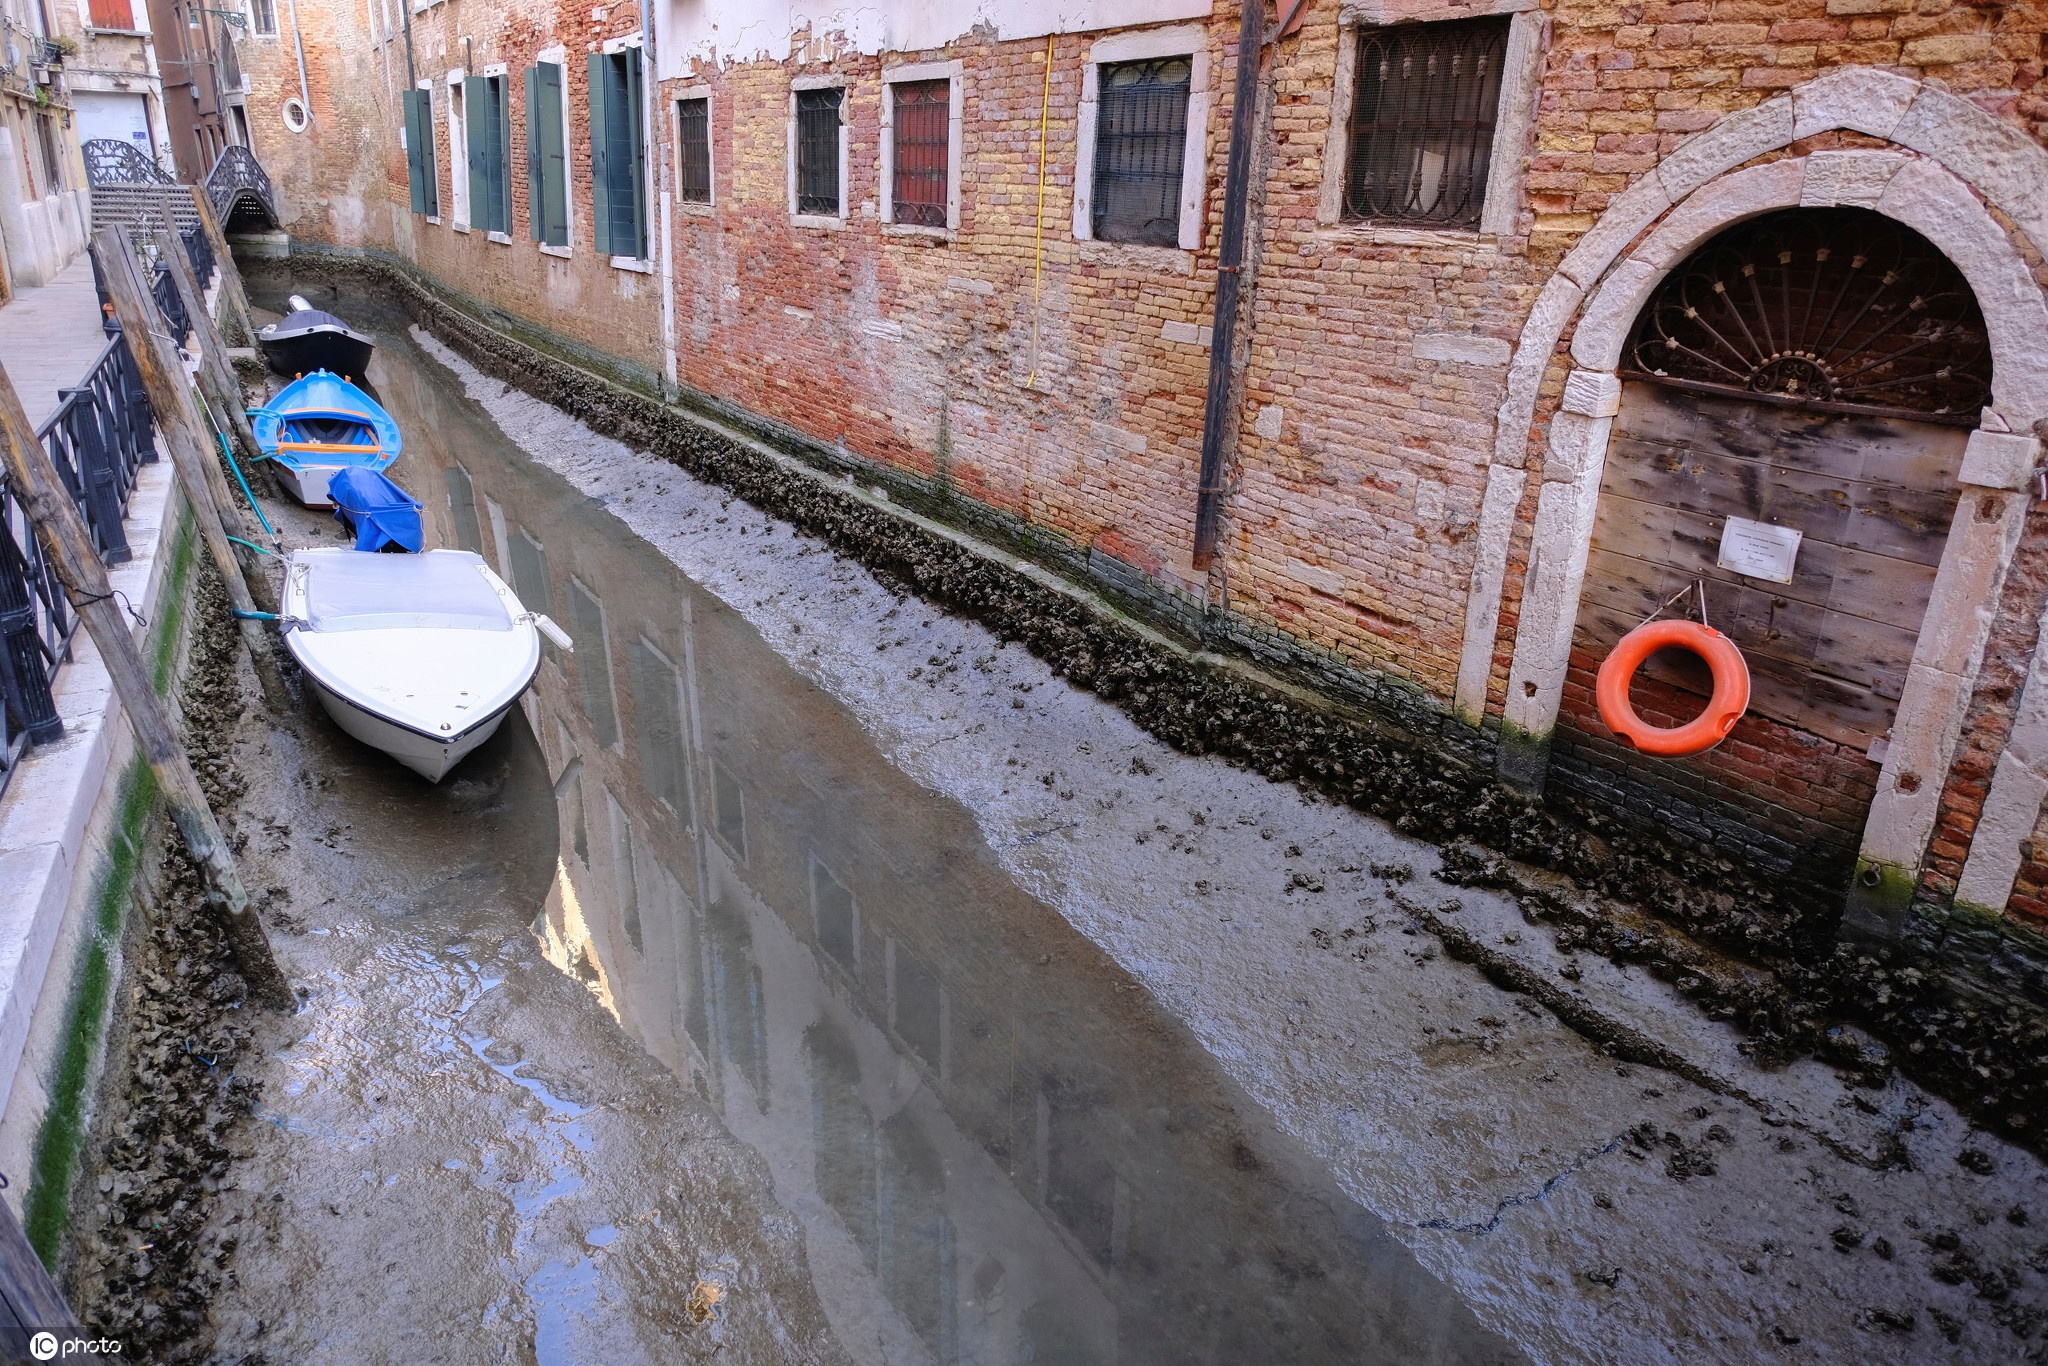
419,655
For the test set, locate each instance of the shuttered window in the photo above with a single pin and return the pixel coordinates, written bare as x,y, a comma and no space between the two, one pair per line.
618,140
115,14
923,119
693,150
817,151
547,163
487,121
1141,144
419,152
1424,101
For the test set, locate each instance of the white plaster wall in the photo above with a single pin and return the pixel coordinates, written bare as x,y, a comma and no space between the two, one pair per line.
761,30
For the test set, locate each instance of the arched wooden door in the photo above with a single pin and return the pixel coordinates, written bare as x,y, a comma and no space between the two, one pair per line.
1796,399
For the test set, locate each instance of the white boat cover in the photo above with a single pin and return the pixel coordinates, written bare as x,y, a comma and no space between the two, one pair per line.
442,589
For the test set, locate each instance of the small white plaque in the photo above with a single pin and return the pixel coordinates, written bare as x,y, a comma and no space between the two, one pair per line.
1759,550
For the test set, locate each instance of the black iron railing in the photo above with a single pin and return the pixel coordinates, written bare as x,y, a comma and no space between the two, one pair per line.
100,435
237,176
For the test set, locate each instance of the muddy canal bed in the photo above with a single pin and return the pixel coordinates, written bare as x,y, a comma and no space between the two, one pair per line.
806,976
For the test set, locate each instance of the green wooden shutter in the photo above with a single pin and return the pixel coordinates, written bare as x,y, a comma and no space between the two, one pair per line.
501,155
535,194
554,159
415,143
600,169
636,142
476,128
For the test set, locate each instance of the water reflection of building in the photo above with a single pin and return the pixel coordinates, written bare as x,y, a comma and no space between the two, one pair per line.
1000,1151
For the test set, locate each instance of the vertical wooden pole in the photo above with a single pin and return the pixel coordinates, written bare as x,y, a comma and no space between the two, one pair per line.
216,374
239,329
68,545
170,396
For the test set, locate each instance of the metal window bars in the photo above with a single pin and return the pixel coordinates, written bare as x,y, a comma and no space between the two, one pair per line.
817,151
923,117
693,145
1141,150
1424,103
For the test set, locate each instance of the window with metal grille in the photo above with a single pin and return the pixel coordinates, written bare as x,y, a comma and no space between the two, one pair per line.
1424,101
1141,138
817,151
263,14
923,120
693,150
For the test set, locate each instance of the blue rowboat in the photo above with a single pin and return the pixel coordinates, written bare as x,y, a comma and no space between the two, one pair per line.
319,425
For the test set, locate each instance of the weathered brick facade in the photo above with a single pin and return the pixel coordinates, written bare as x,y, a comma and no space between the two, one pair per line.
1404,444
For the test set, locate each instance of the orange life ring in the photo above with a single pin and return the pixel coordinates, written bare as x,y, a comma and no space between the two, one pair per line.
1703,732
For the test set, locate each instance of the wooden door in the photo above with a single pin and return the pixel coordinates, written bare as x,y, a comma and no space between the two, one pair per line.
1873,497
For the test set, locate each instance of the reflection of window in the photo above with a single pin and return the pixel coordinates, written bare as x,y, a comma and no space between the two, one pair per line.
838,928
593,662
625,876
469,530
842,1133
658,726
529,571
1420,131
917,1237
737,1003
729,805
917,1003
1080,1186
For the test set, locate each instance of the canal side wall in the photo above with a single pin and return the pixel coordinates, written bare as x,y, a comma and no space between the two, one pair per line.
76,829
1966,1016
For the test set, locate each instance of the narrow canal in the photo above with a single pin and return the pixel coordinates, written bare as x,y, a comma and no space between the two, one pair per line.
807,977
957,1131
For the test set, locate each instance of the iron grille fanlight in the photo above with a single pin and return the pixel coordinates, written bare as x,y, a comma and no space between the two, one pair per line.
817,151
923,114
1425,98
1835,308
693,136
1140,148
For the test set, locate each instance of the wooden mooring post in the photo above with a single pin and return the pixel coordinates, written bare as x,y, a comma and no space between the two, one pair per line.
238,327
216,372
199,472
67,544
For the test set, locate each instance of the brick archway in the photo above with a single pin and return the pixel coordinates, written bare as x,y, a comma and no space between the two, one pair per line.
1942,207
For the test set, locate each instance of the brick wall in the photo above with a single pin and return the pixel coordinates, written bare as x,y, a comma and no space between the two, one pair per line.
1061,381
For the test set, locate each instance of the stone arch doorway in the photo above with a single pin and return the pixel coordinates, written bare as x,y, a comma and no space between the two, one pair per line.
1795,403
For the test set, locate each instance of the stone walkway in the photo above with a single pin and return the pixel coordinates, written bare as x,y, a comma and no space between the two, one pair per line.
49,338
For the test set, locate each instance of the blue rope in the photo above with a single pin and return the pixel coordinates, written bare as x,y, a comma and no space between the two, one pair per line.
224,450
254,616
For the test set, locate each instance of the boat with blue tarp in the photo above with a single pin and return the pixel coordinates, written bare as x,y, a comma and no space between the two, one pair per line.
319,425
383,516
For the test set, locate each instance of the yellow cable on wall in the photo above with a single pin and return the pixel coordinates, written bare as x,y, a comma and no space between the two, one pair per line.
1038,250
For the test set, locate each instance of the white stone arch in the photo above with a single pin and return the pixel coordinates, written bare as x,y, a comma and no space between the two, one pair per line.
1964,153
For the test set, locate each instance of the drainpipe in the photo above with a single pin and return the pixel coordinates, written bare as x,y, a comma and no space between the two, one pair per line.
658,128
1217,409
299,46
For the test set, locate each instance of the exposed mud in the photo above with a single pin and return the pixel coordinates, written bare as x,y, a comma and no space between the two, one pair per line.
144,1265
1751,947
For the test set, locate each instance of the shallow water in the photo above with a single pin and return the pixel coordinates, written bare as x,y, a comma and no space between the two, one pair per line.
996,1146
